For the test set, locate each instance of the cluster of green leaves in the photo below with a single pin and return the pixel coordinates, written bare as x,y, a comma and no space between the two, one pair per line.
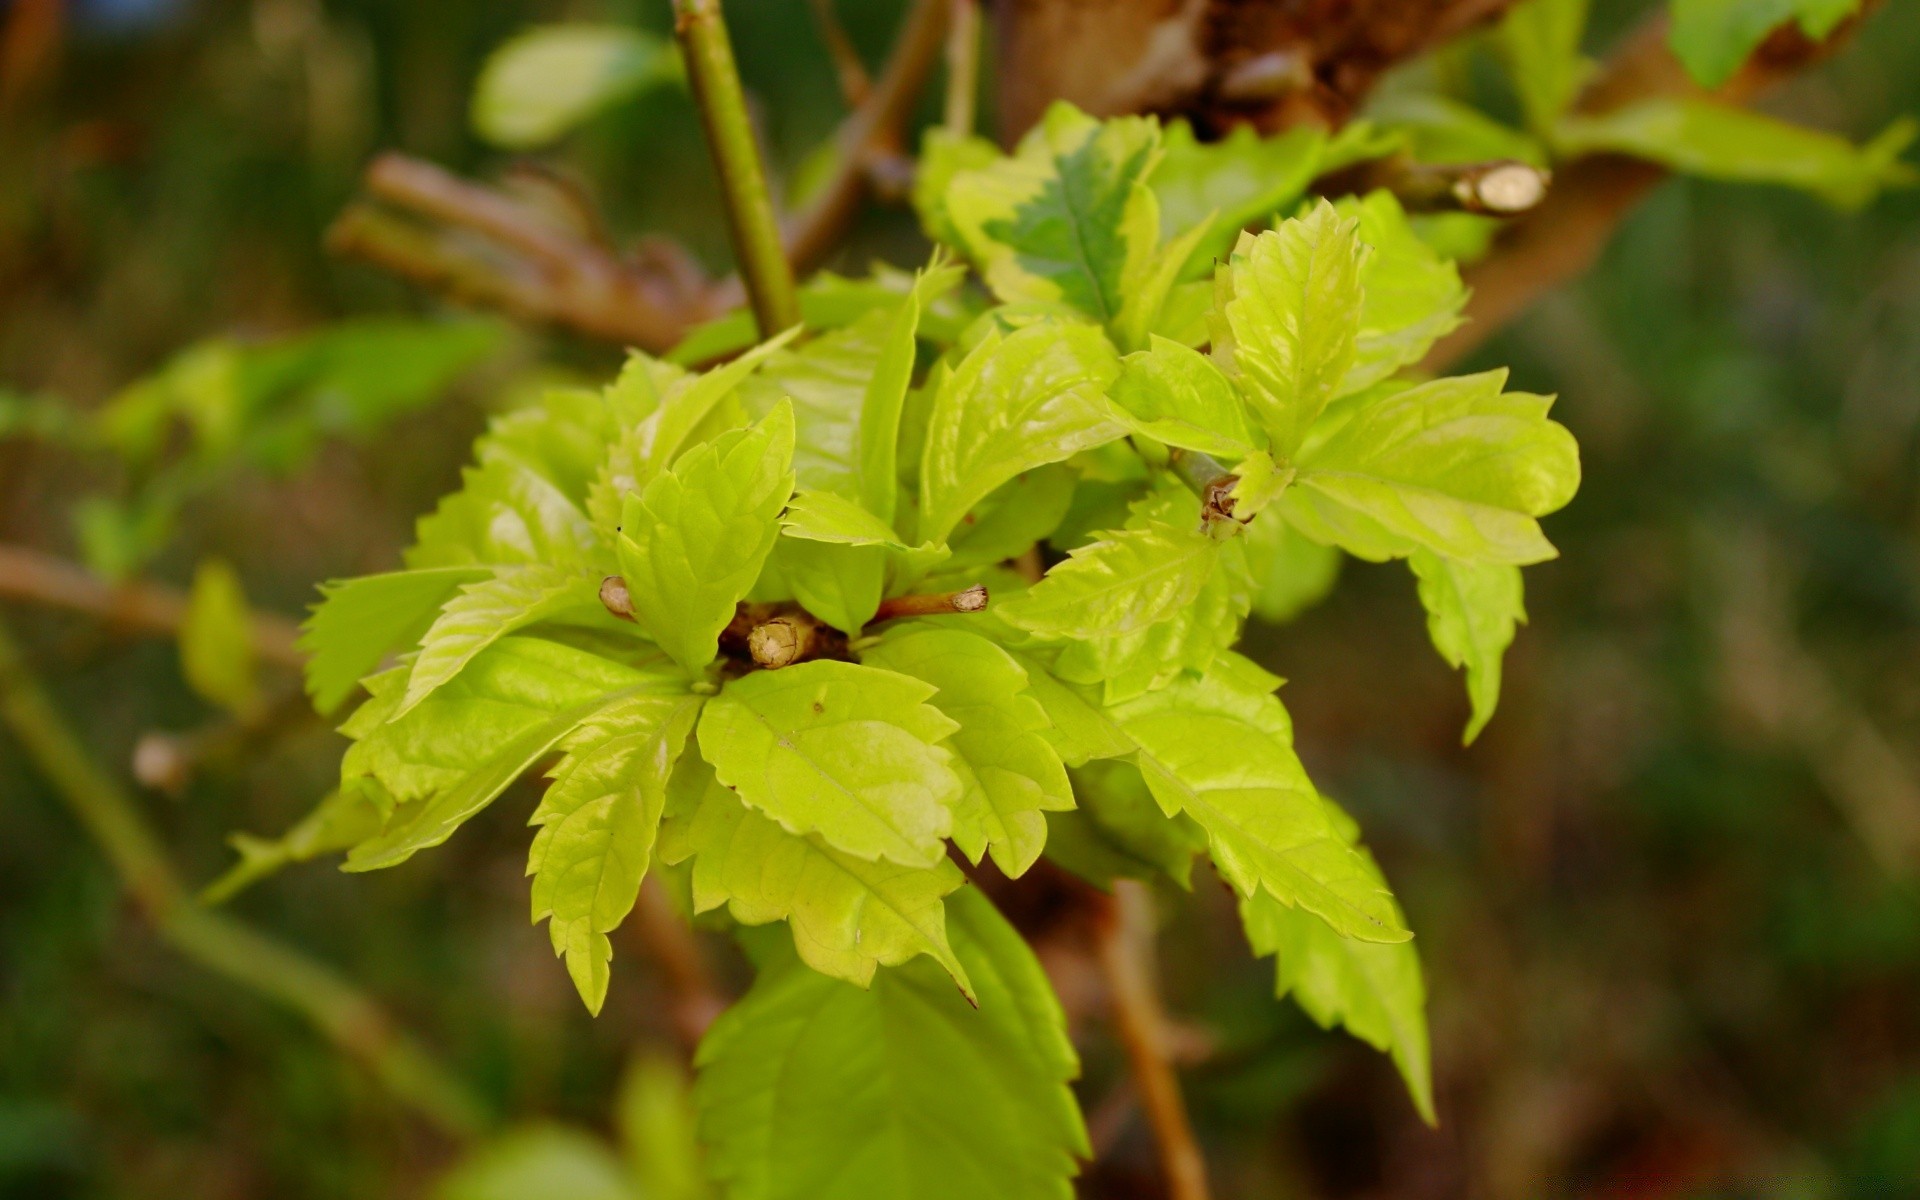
919,439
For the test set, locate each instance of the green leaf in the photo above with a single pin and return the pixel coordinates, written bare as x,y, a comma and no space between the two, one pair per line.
549,79
878,441
1078,729
486,611
1540,40
1373,988
848,915
840,584
1290,305
1177,396
538,1162
359,620
451,755
1068,217
597,825
1440,131
943,156
818,516
1013,517
1291,573
694,541
845,751
1223,186
1125,583
812,1089
1472,610
216,638
655,1116
1413,296
1220,749
342,819
1016,402
1118,831
506,511
1719,141
1012,772
1714,37
1454,466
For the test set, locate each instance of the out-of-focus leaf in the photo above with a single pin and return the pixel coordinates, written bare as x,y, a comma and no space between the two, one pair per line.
1291,573
1541,40
1718,141
344,818
1713,37
655,1116
549,79
1472,609
359,620
539,1162
216,638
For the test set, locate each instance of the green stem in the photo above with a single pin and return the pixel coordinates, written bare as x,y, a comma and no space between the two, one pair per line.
223,945
715,80
963,67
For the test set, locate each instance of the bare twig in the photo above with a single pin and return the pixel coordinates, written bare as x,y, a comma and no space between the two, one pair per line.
1124,944
29,575
963,67
1563,236
350,1019
855,83
930,604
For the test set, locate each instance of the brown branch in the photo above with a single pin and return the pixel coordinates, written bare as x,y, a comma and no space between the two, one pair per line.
696,999
1123,937
29,575
1562,238
931,604
855,83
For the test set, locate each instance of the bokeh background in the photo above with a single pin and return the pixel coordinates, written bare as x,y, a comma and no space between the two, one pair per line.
1667,903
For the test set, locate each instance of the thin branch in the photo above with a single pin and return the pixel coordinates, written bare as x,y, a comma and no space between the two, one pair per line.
1562,238
29,575
963,68
1502,188
346,1016
1124,945
855,83
931,604
696,998
715,82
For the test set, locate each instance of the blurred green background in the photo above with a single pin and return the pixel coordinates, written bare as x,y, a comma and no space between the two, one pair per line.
1668,903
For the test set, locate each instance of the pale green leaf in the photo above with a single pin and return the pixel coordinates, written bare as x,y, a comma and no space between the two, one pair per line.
538,1162
1177,396
1118,830
487,610
1013,517
216,638
1132,579
549,79
1225,185
359,620
658,1128
943,156
845,751
1540,40
818,516
1720,141
848,915
1291,573
1472,610
1078,728
1441,131
458,749
1152,291
1714,37
1372,988
1290,306
1455,466
812,1089
1413,296
840,584
878,438
1220,749
1067,217
597,824
1012,772
1014,403
692,544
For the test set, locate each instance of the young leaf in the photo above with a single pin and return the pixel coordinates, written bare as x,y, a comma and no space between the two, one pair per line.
597,824
1719,141
551,78
848,915
1014,403
343,818
1077,728
694,541
845,751
1373,988
1067,218
1220,750
878,438
359,620
486,611
1413,295
1472,610
1226,185
1454,466
456,751
839,584
505,512
1541,41
812,1089
1118,830
1013,773
1133,579
1013,517
1713,37
943,156
1177,396
1291,573
1290,303
216,647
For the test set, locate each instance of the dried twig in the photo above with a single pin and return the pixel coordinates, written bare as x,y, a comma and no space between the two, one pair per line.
930,604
